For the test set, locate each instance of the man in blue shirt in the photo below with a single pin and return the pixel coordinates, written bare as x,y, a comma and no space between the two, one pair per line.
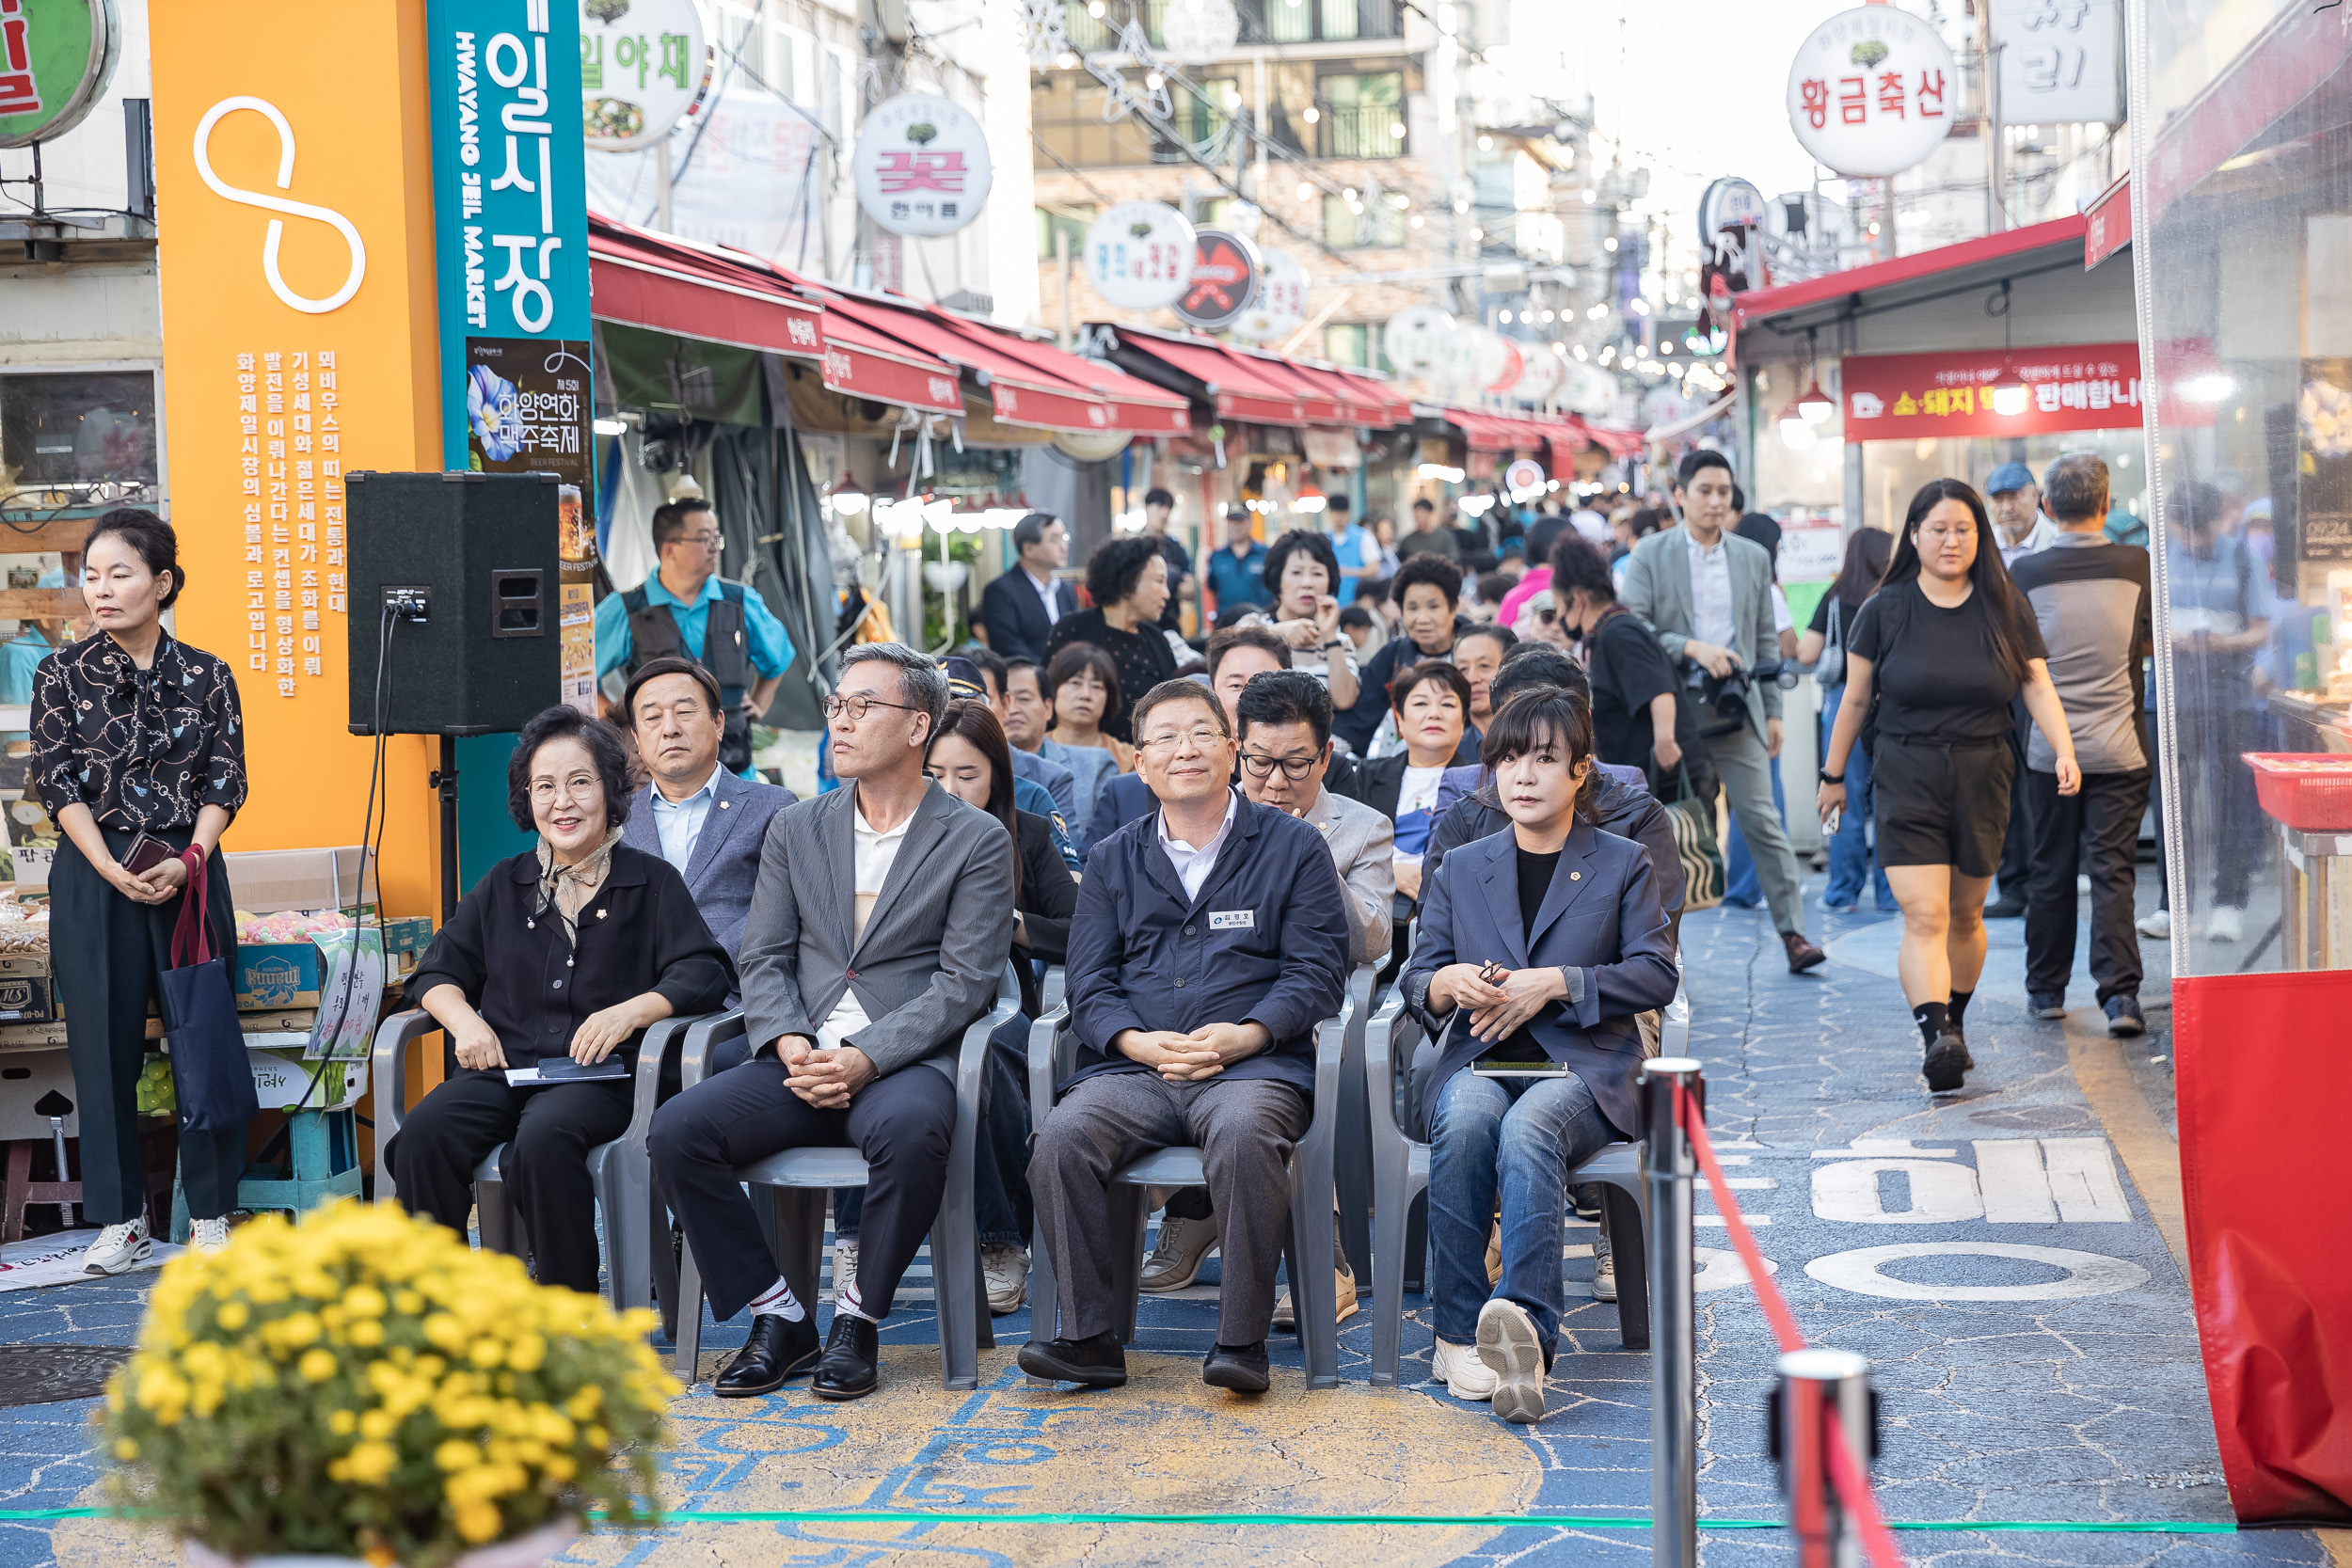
687,609
1358,553
1237,572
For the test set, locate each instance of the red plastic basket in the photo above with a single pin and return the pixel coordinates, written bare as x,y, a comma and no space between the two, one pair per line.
2309,791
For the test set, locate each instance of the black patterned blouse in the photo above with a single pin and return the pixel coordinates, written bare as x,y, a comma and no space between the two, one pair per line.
140,747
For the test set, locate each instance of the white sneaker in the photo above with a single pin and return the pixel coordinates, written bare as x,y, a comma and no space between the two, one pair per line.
1458,1367
119,1248
1604,1268
208,1235
1006,1270
1287,1319
2225,923
1184,1246
844,1264
2156,924
1507,1344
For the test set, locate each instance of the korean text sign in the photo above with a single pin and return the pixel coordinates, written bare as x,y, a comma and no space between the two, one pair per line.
2073,386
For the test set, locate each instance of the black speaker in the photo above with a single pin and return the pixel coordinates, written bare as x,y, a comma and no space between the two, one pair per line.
468,563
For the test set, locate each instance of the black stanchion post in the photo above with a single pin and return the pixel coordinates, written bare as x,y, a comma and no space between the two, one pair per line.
1814,1384
1674,1499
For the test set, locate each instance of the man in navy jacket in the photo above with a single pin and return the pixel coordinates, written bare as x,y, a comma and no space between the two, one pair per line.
1210,938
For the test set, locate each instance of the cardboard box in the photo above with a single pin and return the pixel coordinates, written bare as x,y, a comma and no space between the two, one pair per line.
15,964
273,974
268,880
26,999
282,1078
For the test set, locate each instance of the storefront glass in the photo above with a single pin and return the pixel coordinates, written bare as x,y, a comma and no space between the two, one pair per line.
1892,471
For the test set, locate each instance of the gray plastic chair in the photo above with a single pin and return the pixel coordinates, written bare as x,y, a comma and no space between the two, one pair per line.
622,1171
799,1181
1052,1057
1400,1170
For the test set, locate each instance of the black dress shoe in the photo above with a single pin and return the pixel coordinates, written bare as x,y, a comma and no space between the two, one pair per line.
850,1369
1240,1367
1099,1360
777,1351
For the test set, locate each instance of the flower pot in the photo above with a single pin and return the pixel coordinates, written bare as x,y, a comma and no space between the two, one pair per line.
524,1551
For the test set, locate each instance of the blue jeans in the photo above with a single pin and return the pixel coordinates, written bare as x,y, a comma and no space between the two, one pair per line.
1522,1135
1851,858
1740,886
1000,1161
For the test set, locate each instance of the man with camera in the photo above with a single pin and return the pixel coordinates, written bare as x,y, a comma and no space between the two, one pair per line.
1707,594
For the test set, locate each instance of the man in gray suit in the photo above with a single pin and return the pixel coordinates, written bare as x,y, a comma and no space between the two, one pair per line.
694,814
878,932
1707,594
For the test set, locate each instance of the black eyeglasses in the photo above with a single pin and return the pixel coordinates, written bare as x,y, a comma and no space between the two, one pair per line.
1548,615
856,707
1294,769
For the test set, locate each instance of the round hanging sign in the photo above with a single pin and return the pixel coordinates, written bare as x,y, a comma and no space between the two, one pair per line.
1872,91
641,65
1498,363
1224,281
1280,307
921,165
1524,473
56,57
1540,374
1726,204
1199,32
1138,255
1418,340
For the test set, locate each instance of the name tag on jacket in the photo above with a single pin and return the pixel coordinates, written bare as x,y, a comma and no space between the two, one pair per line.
1232,920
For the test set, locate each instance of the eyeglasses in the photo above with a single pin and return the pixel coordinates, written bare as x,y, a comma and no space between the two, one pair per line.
1548,615
856,707
707,540
582,787
1294,769
1201,739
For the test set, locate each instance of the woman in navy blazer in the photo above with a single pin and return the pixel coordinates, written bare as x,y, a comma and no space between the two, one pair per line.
1537,945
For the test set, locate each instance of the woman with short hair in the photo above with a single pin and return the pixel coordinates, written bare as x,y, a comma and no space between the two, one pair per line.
1432,702
1127,580
560,958
1082,688
1302,570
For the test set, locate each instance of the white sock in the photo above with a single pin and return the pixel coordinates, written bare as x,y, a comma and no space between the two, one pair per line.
844,1299
779,1303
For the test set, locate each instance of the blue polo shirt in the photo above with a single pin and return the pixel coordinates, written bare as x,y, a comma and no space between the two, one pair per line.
1238,580
1353,548
769,646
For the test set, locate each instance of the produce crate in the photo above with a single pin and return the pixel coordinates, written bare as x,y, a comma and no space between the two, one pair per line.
2311,792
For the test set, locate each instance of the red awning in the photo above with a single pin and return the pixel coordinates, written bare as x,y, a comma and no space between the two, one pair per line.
1135,404
1763,303
1326,404
1497,433
1394,407
1029,382
649,280
868,364
1617,443
1236,387
1362,401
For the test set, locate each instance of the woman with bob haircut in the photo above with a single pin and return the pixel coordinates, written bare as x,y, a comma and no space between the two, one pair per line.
560,957
1539,949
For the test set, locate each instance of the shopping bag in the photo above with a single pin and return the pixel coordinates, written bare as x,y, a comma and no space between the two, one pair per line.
207,1045
1693,820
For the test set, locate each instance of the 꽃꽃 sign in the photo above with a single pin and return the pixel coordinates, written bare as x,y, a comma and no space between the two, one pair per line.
921,165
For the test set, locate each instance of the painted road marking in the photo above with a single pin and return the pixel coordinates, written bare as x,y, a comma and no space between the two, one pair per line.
2015,1181
2016,1191
2088,1273
1939,1193
2083,1178
1896,1146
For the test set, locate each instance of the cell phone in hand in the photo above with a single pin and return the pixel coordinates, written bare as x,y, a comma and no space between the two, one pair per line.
1829,823
147,853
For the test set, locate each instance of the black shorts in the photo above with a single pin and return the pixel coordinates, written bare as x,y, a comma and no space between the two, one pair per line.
1939,803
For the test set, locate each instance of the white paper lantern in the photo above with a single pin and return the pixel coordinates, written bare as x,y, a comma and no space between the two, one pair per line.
1872,91
1138,255
921,165
1200,32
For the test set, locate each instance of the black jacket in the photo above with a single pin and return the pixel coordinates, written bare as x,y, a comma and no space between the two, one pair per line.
1015,616
642,932
1049,895
1380,782
1357,724
1623,810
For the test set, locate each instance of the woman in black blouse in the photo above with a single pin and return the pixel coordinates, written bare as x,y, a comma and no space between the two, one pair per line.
973,761
1127,578
567,951
133,731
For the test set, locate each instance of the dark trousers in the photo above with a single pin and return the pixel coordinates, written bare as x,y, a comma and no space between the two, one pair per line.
901,1122
2103,818
1245,1129
1001,1206
2016,876
105,952
551,1130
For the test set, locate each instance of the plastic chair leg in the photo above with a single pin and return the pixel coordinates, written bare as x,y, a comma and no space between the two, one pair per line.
1351,1169
1627,1243
496,1221
1417,1246
1392,1196
1044,1291
689,1316
1313,1298
1129,1210
664,1261
620,1193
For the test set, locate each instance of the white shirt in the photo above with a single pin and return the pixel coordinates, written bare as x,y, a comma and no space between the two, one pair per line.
1044,587
1194,866
876,852
679,823
2040,537
1782,620
1420,789
1710,592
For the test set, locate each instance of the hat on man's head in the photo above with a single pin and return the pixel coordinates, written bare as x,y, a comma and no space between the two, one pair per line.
2008,477
964,677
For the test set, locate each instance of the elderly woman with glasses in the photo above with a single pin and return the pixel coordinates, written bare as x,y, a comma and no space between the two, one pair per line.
557,962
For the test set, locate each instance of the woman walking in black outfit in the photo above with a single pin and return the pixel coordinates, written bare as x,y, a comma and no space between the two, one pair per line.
1932,662
133,731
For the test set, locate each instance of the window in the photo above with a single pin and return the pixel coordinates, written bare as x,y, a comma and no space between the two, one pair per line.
746,41
1348,343
1290,21
1339,19
1206,114
78,428
1362,115
1309,20
1066,113
1374,222
789,72
1072,221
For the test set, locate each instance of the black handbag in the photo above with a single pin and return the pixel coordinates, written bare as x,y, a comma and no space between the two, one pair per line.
212,1074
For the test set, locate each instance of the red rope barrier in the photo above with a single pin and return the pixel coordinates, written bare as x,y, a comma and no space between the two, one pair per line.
1854,1485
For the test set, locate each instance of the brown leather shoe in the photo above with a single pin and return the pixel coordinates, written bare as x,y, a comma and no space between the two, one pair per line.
1802,955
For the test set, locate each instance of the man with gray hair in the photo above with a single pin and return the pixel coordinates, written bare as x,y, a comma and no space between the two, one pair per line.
877,933
1019,609
2093,602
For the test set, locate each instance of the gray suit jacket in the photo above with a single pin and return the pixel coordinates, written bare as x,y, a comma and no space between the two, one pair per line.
1658,589
934,948
1364,848
724,864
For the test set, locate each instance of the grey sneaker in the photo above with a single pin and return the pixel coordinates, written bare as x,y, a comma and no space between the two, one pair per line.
1006,1270
208,1235
844,1264
1509,1346
1604,1268
119,1248
1184,1246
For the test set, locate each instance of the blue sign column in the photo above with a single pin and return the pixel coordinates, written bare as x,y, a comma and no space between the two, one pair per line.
510,221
